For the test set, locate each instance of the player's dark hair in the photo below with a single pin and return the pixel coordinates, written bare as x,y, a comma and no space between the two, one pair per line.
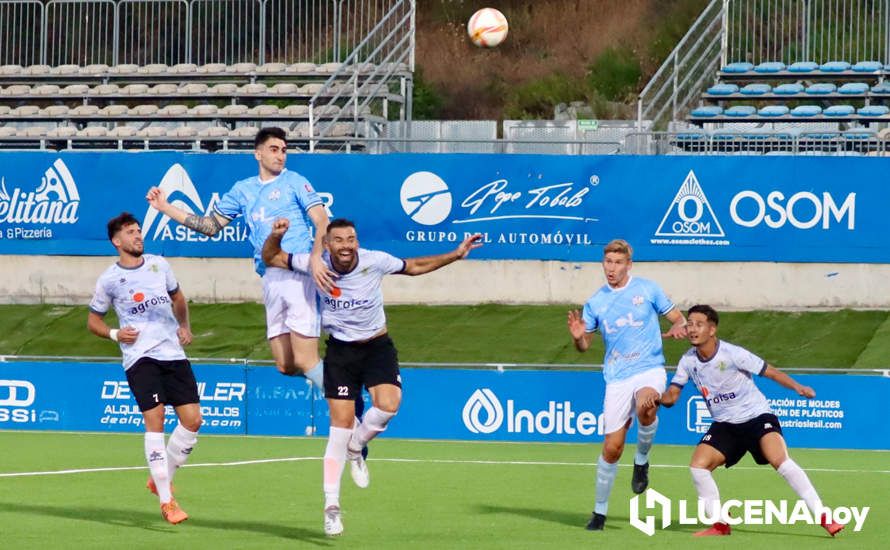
117,223
267,133
707,311
340,222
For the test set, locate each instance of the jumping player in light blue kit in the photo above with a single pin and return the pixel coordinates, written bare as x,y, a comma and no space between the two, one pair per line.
292,316
625,311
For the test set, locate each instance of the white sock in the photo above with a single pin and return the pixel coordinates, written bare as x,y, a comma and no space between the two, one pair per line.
179,447
156,456
316,375
645,435
708,494
334,460
797,478
605,478
371,426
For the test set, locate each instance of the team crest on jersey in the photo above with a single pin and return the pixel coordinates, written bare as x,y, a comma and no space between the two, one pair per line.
721,366
154,268
138,296
638,300
275,195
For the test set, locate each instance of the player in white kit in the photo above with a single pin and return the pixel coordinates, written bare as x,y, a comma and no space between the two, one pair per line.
743,422
359,350
154,320
626,311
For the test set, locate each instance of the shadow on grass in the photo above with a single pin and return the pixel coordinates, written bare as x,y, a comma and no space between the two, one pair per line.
153,521
572,519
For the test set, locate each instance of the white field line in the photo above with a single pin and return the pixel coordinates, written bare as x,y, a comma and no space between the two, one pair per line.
404,460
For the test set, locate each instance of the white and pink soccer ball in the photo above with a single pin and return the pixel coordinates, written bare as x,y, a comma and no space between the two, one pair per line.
487,28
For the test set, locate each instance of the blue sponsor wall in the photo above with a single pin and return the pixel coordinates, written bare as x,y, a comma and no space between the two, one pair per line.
563,406
787,209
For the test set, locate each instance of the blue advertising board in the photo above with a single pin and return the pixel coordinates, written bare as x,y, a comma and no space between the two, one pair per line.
541,207
545,406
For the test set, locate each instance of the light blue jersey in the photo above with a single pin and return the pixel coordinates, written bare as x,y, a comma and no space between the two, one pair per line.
627,318
289,195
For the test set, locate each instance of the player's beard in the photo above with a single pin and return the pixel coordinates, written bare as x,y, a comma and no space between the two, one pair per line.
134,251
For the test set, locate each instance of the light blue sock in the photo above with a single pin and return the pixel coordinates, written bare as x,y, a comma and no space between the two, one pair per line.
645,435
316,375
605,478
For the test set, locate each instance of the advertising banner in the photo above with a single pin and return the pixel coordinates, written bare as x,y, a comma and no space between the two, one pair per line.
535,207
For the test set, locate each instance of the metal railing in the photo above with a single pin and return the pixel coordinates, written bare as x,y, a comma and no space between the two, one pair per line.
83,32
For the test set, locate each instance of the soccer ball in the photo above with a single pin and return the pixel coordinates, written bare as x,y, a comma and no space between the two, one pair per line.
487,28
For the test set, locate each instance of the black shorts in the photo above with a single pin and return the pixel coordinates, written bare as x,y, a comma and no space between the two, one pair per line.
734,440
349,366
154,382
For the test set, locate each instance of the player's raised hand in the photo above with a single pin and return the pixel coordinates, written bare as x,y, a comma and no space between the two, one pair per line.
280,227
127,335
323,277
470,243
156,198
576,324
677,331
185,335
806,391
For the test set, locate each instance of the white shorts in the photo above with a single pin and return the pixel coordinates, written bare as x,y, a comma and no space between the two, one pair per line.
291,303
621,397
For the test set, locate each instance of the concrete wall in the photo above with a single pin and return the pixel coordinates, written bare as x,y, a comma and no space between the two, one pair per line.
71,280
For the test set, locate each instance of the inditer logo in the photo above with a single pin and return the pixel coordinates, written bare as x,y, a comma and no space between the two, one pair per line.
558,417
425,198
483,400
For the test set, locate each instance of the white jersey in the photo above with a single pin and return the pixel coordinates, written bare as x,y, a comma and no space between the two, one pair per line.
141,299
724,380
355,310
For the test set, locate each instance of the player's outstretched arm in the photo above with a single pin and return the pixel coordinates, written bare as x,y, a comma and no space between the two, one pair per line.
786,381
578,330
678,325
669,397
425,264
323,276
208,225
273,255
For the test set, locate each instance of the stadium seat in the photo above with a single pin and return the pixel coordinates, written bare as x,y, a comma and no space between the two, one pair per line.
94,69
881,88
740,111
738,67
284,88
173,110
707,111
773,111
123,68
212,68
834,67
234,110
203,110
163,89
803,67
25,111
75,90
152,131
252,89
788,89
45,89
214,131
7,131
194,88
36,70
839,111
143,110
184,68
756,89
301,68
273,68
770,67
4,109
853,88
182,131
327,110
868,67
10,70
329,68
873,110
245,131
65,69
806,111
298,110
93,131
32,131
54,111
821,88
113,110
15,89
263,110
84,110
311,88
106,89
241,68
62,132
122,131
226,88
154,68
135,89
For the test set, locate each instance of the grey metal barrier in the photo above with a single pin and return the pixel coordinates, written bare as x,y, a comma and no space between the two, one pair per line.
79,32
226,31
152,31
21,32
296,30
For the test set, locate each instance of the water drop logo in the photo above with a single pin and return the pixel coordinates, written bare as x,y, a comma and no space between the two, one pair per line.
483,400
425,198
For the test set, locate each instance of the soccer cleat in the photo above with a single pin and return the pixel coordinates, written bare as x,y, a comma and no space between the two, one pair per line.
358,469
597,522
173,513
150,485
833,527
719,529
641,478
333,526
